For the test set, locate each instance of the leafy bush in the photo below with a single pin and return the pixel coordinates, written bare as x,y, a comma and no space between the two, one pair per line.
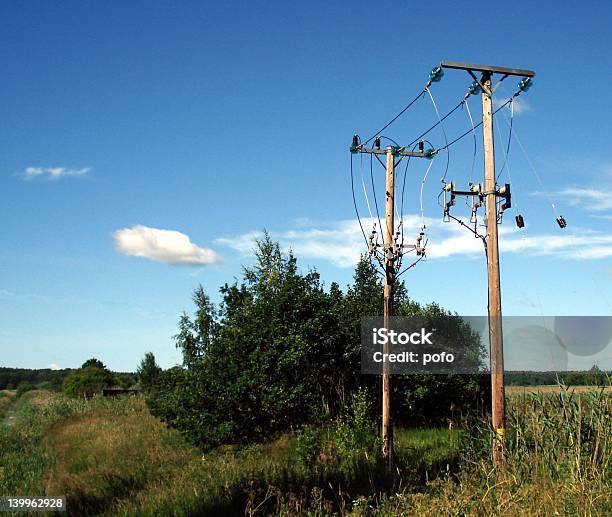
281,352
23,387
354,432
87,381
308,442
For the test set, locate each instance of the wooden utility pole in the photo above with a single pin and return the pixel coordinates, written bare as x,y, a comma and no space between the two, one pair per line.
392,252
498,400
491,193
387,424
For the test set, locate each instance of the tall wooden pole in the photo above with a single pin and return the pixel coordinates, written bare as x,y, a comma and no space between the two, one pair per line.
387,424
498,402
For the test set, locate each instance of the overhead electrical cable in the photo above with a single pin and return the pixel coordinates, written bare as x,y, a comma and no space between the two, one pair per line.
419,96
374,193
437,123
509,136
445,140
355,203
469,114
410,266
403,190
365,191
463,135
422,188
531,166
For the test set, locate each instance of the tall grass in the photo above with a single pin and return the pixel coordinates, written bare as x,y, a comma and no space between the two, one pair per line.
565,435
557,463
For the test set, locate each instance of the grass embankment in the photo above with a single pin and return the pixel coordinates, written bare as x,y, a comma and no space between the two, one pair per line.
113,457
93,451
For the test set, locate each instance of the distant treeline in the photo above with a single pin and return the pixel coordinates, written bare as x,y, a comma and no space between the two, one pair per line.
592,377
12,378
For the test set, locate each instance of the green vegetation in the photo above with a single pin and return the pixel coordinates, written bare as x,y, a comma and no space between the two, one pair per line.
558,463
52,380
269,415
148,372
10,378
113,457
282,352
88,380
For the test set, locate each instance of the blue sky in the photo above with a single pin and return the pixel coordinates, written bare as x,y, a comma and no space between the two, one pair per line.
219,119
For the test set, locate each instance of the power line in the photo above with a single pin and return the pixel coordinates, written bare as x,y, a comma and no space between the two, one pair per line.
471,130
509,138
445,141
403,190
533,169
393,251
437,123
374,193
365,192
355,203
422,187
469,113
420,95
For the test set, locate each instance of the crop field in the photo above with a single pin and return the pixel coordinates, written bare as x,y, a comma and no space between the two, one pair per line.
110,456
548,389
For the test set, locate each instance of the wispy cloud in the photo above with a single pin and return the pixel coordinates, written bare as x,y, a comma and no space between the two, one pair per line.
590,198
53,366
521,106
169,246
53,173
342,243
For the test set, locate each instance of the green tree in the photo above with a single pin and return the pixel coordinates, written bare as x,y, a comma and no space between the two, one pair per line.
94,363
195,335
148,371
280,352
87,381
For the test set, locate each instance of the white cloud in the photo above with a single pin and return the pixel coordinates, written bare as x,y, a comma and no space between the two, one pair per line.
169,246
53,173
243,244
5,294
53,366
342,243
592,199
521,106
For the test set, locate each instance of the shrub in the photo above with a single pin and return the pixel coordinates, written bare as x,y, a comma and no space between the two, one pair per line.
87,381
281,352
23,387
307,445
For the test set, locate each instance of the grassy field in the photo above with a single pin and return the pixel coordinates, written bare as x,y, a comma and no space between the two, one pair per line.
112,457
